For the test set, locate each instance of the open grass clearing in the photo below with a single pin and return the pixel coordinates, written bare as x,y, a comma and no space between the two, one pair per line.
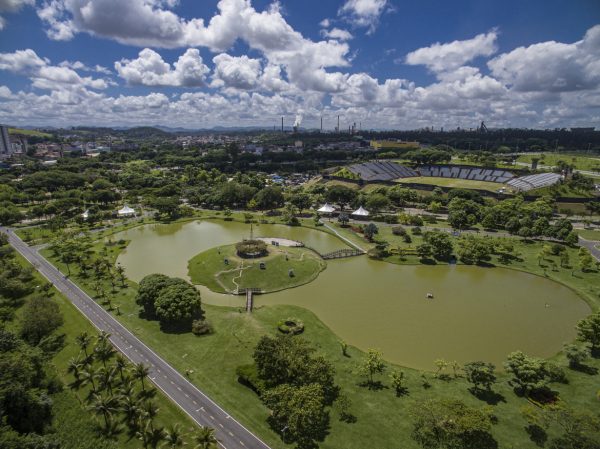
455,183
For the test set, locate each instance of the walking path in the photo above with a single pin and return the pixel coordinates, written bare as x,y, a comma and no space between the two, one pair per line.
230,433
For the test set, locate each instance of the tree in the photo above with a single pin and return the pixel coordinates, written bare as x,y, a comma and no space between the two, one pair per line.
585,260
441,244
474,250
301,201
576,354
174,437
450,424
424,251
41,316
377,202
298,412
140,372
370,230
480,374
343,219
341,195
372,364
204,438
269,198
588,330
178,303
105,406
529,374
397,379
149,290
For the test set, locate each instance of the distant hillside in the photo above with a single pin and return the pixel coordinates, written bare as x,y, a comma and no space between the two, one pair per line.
28,132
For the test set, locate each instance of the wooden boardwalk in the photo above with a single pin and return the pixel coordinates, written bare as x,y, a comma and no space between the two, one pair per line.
341,253
249,292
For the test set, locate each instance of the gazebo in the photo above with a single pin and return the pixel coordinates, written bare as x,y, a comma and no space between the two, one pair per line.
126,211
326,209
360,212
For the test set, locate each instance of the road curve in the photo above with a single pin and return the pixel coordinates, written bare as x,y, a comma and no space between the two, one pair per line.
591,246
230,433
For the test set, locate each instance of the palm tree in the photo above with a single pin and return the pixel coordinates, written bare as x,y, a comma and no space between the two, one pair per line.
74,367
151,436
87,375
121,274
131,409
106,377
104,352
84,340
204,438
140,372
120,365
149,412
174,437
105,406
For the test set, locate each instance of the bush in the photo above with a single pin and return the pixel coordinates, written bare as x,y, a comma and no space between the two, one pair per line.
417,231
201,327
398,230
248,376
292,326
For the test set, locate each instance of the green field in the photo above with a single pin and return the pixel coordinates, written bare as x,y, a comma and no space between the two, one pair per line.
29,132
208,268
452,182
581,162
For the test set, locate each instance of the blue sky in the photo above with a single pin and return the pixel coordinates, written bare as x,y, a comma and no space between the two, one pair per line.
386,63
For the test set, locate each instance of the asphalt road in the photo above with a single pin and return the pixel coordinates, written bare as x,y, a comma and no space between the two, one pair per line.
230,433
591,245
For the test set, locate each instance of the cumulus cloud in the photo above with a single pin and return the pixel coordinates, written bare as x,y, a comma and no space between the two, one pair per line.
337,33
238,72
11,6
149,69
363,13
44,75
151,23
450,56
552,66
78,65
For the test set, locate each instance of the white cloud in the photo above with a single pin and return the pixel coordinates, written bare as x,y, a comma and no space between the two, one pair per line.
552,66
151,23
11,6
78,65
238,72
337,33
149,69
46,76
5,92
450,56
363,13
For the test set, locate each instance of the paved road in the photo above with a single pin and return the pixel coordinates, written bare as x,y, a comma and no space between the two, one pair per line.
591,245
230,433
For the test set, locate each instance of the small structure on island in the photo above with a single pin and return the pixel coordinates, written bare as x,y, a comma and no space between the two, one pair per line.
361,212
291,273
262,266
126,211
429,295
251,249
326,209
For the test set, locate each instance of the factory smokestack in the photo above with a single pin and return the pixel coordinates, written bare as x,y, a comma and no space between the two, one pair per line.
338,125
281,123
321,123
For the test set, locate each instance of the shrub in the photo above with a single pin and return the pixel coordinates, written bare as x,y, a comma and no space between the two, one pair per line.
398,230
417,231
251,248
292,326
248,376
201,327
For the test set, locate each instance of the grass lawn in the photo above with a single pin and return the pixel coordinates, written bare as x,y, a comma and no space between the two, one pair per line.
453,182
208,268
75,426
561,190
29,132
581,162
589,234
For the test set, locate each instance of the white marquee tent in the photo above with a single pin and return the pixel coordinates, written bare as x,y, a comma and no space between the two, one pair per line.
126,212
361,212
327,209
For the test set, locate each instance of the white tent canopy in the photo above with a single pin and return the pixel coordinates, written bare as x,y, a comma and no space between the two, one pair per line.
126,211
327,208
361,212
86,215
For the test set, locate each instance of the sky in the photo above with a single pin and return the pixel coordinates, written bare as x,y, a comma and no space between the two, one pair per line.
383,64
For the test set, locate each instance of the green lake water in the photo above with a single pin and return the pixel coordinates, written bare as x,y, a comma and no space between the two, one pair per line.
476,314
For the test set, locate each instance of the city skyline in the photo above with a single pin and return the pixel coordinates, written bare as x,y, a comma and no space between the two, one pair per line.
241,63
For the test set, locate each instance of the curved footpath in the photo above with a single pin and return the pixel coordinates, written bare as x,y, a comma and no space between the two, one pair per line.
591,246
230,433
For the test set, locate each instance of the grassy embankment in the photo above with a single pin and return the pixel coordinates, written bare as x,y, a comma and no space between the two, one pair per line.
74,425
209,268
29,132
579,161
382,418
